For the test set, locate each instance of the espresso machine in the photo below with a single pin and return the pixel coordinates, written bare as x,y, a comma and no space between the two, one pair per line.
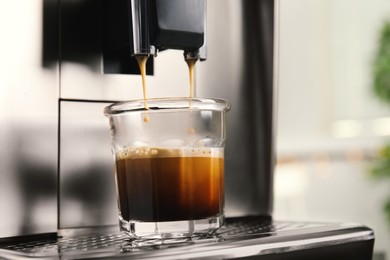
57,191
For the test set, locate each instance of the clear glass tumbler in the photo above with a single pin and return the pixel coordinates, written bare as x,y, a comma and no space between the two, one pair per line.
169,157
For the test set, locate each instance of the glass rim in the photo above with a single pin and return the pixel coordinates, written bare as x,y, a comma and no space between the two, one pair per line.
167,104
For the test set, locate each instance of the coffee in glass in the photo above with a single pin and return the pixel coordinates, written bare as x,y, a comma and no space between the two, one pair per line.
169,168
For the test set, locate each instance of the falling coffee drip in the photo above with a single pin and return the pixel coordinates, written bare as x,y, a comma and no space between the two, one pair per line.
142,59
191,67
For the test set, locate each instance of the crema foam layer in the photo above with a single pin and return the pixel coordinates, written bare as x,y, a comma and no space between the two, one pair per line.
158,152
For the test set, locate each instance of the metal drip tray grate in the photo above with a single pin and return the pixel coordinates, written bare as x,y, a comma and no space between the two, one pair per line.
58,246
237,233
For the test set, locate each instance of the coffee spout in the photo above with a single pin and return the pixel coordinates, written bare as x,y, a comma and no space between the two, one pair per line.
175,24
145,27
199,54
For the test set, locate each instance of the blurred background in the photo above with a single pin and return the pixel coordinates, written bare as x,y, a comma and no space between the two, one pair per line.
332,128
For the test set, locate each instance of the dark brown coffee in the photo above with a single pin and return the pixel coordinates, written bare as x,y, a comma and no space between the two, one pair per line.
156,185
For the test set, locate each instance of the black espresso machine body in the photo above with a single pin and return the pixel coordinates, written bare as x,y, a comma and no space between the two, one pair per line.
56,170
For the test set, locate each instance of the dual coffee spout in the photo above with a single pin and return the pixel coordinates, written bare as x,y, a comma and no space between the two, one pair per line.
157,25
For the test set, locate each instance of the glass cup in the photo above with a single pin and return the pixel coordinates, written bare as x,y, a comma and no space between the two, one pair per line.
169,157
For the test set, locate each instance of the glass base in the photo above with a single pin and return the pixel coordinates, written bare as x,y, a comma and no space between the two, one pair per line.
171,229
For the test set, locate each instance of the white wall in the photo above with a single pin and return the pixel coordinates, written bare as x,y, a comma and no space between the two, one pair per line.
326,114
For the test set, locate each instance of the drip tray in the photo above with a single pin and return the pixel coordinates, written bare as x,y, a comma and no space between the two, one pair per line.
238,238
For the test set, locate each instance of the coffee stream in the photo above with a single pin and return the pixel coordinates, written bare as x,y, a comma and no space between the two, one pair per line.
191,67
142,59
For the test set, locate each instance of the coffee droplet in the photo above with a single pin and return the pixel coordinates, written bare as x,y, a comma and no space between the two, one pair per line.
146,119
191,131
